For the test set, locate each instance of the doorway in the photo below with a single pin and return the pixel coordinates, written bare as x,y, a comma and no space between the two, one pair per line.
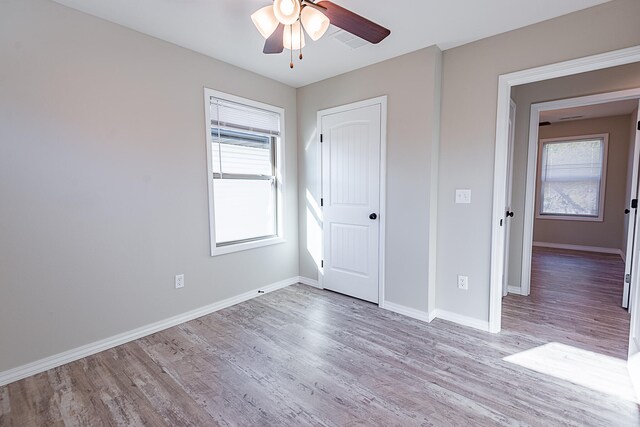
505,83
597,233
352,144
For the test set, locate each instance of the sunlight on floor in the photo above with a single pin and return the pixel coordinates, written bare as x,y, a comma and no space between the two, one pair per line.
598,372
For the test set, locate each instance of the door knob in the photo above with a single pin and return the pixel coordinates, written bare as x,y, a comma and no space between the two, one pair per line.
373,216
626,211
510,214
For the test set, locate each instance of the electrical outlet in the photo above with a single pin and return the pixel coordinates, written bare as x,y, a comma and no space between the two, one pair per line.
463,282
179,281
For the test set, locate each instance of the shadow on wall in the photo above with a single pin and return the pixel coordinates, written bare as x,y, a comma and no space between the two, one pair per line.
313,217
314,229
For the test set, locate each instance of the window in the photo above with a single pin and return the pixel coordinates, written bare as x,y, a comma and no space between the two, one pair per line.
571,177
245,154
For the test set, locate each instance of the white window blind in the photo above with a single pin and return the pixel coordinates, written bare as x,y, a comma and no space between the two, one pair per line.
571,177
232,115
243,158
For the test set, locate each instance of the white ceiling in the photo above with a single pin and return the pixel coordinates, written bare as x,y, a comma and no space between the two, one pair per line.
609,109
223,29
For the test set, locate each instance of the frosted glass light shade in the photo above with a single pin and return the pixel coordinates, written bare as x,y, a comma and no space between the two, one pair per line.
292,42
286,11
315,22
265,21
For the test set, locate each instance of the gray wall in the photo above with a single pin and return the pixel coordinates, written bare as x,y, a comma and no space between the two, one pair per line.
469,99
103,181
411,83
607,80
608,233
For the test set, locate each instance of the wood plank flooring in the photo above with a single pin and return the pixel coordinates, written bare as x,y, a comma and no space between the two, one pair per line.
575,299
302,356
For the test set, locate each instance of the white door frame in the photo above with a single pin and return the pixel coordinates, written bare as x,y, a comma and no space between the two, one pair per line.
508,199
505,82
532,166
382,101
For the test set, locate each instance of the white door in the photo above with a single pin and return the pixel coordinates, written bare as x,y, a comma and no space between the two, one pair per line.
633,294
350,142
508,210
631,228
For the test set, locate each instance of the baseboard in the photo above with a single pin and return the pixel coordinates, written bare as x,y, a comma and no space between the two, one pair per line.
483,325
515,290
309,282
33,368
579,248
408,311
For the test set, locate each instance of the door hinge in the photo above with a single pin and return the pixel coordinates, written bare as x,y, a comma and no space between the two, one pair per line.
627,278
322,264
321,202
634,204
500,222
321,138
638,125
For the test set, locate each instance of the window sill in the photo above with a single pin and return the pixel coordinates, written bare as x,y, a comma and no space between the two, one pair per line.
222,250
570,218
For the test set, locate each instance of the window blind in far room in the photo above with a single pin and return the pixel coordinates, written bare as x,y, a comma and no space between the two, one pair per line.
572,177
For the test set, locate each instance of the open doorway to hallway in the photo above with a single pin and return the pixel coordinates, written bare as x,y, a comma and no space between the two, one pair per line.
565,80
572,229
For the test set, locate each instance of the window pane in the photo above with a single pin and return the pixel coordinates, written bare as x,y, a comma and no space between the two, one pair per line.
571,198
244,209
570,176
239,153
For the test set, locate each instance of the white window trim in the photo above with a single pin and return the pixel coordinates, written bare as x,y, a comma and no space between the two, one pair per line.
603,184
280,175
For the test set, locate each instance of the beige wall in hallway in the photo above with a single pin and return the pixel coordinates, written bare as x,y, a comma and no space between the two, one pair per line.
605,234
601,81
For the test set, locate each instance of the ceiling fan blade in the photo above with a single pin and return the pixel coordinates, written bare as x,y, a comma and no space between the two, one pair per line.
353,23
274,42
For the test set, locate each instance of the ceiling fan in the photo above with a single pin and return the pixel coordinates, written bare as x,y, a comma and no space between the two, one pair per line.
282,23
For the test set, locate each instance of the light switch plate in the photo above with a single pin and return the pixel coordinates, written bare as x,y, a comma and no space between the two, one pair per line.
463,196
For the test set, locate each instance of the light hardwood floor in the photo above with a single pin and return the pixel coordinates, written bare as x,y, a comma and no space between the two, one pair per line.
576,299
302,356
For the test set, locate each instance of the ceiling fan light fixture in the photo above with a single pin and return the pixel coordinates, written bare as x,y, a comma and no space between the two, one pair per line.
293,37
265,21
315,22
286,11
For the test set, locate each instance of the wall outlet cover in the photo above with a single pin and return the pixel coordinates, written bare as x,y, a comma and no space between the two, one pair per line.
463,282
179,281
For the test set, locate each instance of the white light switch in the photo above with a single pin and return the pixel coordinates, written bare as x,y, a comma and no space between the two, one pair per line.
463,196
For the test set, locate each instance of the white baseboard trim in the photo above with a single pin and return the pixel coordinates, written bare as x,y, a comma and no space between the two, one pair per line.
483,325
309,282
33,368
515,290
597,249
408,311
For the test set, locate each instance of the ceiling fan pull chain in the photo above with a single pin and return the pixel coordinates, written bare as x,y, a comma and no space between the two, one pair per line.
291,63
300,40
